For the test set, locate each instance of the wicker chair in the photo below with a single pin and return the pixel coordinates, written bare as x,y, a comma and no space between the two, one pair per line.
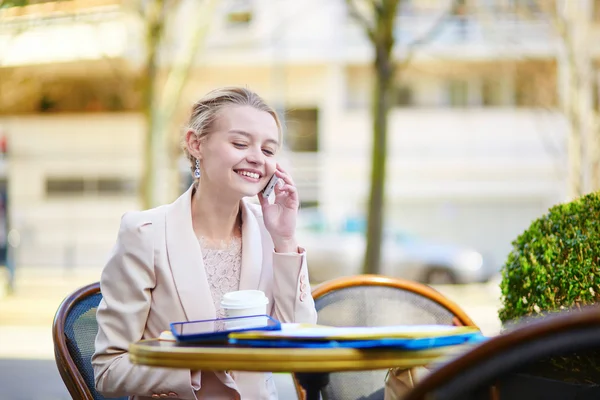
373,300
497,369
74,332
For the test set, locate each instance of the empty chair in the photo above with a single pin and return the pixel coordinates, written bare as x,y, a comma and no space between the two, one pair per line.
372,300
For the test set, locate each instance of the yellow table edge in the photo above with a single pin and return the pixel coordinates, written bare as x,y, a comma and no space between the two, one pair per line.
167,354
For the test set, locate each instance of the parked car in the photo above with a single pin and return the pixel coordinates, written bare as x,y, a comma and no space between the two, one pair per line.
339,251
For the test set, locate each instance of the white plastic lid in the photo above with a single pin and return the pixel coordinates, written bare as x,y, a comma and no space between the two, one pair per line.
244,299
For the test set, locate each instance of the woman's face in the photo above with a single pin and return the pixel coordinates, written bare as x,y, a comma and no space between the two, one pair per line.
238,156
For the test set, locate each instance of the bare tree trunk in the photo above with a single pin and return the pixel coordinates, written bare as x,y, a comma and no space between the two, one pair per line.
595,145
174,86
382,38
574,142
384,73
155,23
379,26
159,111
571,20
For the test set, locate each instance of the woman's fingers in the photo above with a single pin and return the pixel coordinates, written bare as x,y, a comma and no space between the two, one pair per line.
285,177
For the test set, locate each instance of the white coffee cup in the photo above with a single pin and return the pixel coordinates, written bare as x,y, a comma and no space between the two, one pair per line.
243,303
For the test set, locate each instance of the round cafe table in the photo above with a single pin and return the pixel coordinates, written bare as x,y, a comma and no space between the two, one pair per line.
313,364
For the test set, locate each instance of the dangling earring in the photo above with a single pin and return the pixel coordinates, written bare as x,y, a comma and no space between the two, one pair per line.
197,170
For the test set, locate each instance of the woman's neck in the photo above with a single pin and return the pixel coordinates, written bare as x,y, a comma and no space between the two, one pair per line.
215,218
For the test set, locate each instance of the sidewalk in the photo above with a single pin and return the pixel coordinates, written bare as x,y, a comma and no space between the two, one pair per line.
26,316
26,348
39,291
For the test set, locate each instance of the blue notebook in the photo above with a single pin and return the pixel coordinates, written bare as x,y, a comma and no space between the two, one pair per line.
218,330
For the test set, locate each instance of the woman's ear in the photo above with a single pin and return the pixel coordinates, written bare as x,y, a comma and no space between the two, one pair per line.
193,144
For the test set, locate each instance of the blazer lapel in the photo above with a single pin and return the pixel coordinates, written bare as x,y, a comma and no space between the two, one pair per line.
185,259
252,257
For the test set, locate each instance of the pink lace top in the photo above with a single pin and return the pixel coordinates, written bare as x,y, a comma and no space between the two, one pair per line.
223,265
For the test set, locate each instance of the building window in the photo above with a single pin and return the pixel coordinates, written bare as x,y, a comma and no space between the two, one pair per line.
530,7
596,11
239,13
536,85
527,92
115,186
309,204
460,7
302,129
458,93
65,186
79,186
403,96
491,93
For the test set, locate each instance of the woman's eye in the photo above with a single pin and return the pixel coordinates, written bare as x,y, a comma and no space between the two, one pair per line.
269,152
239,145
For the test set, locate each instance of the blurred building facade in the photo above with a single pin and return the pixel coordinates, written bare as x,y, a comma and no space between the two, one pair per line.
476,148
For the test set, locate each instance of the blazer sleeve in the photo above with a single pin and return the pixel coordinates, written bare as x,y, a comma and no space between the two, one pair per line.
293,301
126,284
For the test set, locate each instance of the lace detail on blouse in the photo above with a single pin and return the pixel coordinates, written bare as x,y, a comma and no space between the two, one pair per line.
223,265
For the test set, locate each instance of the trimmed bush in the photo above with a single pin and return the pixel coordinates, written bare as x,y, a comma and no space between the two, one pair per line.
554,266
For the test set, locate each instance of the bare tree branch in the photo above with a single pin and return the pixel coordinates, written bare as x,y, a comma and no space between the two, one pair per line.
183,62
361,19
428,36
379,8
555,151
137,7
13,3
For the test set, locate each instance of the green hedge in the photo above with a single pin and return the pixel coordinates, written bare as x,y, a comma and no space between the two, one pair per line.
555,265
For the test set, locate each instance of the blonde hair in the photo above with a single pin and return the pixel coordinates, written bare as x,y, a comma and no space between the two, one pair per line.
205,111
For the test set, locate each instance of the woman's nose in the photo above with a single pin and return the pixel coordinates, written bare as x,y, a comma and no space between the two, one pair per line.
255,157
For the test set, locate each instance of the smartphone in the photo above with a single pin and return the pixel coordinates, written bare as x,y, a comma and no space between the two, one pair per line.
266,192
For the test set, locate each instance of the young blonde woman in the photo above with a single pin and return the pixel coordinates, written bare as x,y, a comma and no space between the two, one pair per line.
174,263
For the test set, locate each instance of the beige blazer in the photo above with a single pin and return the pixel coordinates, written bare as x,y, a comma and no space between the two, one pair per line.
155,276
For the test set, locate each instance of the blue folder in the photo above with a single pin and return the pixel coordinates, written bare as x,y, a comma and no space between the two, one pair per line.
389,343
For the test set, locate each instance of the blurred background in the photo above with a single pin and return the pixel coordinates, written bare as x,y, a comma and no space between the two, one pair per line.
493,118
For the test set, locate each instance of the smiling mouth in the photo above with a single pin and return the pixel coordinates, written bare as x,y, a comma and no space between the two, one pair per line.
249,174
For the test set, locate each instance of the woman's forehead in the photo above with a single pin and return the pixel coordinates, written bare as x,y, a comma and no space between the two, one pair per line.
256,123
